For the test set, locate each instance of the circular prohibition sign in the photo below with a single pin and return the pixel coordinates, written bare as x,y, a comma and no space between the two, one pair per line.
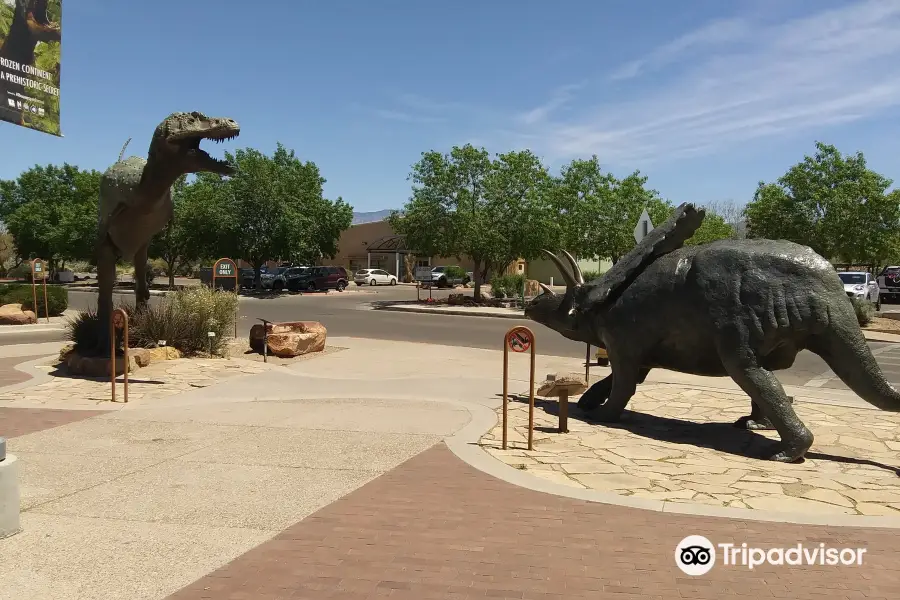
519,339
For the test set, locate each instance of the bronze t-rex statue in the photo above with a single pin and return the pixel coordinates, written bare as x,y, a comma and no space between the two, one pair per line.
736,308
136,201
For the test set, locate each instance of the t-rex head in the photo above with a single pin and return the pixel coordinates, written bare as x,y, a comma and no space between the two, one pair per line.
176,142
558,312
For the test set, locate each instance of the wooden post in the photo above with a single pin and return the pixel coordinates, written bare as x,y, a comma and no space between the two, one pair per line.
46,305
564,411
38,266
587,366
505,388
519,339
237,285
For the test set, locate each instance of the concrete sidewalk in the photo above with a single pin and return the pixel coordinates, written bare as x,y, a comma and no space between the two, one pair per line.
150,496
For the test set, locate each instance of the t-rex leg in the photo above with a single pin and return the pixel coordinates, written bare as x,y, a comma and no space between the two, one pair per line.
599,392
141,289
106,280
766,392
757,421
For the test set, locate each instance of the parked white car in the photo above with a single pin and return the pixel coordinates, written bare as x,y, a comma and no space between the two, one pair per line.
862,285
374,277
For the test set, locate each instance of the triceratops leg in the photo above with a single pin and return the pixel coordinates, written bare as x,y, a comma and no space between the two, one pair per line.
626,375
598,393
757,421
765,391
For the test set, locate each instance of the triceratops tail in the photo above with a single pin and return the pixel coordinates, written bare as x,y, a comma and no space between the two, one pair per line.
844,348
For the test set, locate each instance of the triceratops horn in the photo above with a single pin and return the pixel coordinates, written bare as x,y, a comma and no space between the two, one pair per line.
547,289
567,276
579,277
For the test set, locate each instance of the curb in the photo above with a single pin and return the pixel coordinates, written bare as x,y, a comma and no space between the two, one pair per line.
457,313
127,292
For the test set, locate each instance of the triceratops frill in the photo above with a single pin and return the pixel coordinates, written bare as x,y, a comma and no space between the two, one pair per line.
737,308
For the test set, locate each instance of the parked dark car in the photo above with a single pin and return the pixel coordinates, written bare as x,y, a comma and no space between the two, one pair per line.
289,274
319,278
247,276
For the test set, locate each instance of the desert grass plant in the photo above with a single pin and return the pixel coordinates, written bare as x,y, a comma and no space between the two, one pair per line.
202,310
507,286
182,320
864,309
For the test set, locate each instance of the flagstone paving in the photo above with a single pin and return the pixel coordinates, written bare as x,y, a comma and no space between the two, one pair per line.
157,380
677,444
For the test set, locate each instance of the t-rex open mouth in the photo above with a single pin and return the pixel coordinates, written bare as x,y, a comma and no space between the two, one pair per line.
193,145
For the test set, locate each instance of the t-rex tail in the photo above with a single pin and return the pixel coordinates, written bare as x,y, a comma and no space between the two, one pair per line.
844,348
122,153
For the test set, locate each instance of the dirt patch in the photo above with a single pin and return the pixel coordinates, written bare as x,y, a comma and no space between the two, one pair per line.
883,325
241,349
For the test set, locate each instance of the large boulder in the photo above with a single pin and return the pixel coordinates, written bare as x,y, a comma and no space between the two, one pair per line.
146,356
287,340
12,314
95,366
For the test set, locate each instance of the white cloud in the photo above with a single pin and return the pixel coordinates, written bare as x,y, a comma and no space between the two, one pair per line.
558,99
736,80
396,115
721,31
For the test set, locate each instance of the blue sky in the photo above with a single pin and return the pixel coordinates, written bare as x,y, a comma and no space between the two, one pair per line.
705,97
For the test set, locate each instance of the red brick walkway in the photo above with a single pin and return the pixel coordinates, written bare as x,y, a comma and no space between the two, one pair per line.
8,373
21,421
435,527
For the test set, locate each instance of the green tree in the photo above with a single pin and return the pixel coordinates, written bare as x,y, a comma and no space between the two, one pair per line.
835,204
600,212
715,226
177,244
51,213
466,204
272,208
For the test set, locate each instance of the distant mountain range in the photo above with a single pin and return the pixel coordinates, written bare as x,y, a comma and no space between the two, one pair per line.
370,217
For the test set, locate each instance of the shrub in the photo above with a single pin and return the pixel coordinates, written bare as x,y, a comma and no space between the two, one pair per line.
82,330
591,275
507,286
20,293
455,272
22,271
865,311
183,320
158,267
203,309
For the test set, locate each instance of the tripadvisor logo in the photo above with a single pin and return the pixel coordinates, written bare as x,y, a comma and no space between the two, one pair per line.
696,555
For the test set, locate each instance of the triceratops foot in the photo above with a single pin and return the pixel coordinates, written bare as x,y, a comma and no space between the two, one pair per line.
756,420
595,395
605,414
787,456
752,424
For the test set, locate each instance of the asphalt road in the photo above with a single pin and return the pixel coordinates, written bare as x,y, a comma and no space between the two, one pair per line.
349,314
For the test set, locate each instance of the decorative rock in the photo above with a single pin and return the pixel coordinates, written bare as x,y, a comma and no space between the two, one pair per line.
147,356
287,340
95,366
65,351
12,314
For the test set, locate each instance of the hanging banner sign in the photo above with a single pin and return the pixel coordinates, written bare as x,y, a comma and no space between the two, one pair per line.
30,40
